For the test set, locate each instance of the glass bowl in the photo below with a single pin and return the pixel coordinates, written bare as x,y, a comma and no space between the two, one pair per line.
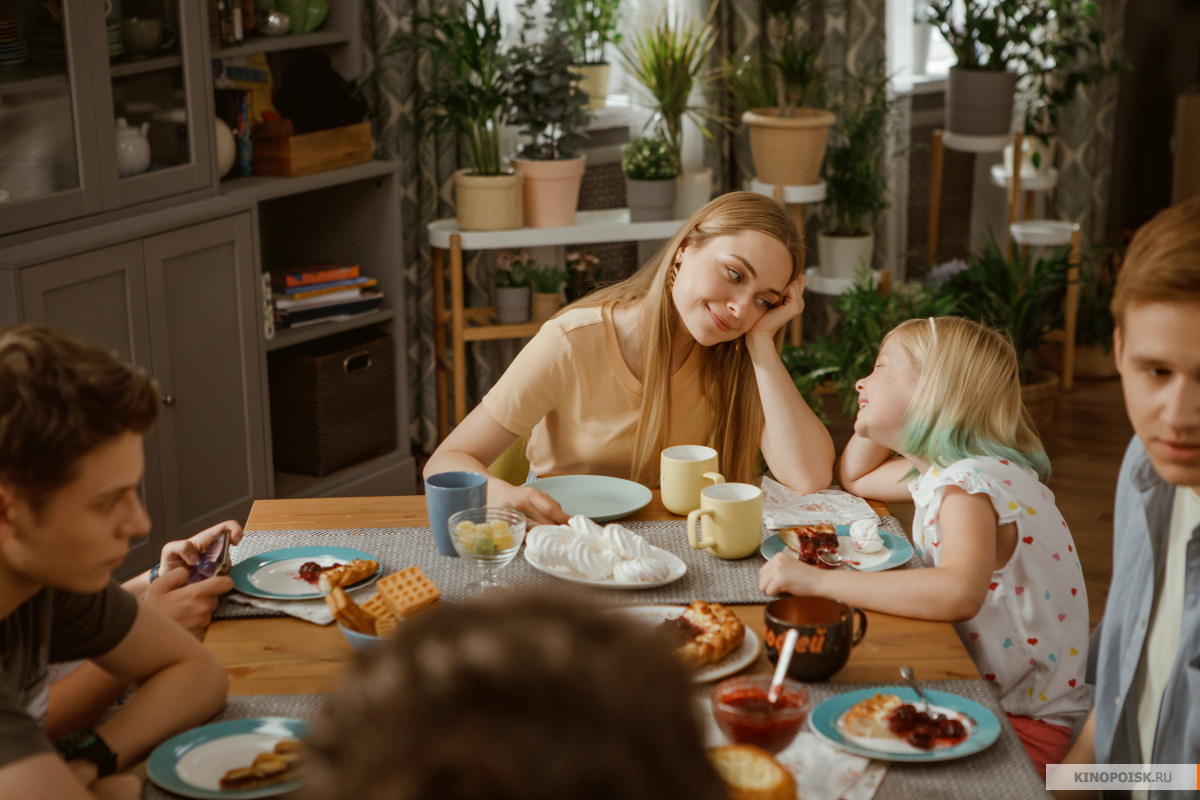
488,537
743,714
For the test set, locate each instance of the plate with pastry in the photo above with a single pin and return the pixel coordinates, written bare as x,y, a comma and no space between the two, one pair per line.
303,573
889,723
862,544
238,759
600,497
609,557
709,637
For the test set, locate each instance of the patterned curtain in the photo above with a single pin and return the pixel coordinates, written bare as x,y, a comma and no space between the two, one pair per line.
427,163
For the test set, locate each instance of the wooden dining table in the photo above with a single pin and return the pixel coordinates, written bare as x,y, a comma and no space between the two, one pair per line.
284,655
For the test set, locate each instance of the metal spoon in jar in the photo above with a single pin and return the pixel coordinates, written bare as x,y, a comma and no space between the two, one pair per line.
907,674
785,657
835,560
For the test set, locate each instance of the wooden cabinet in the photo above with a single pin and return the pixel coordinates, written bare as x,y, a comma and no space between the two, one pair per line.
180,302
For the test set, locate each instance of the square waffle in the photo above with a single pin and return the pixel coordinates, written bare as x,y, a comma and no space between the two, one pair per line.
408,591
385,620
348,612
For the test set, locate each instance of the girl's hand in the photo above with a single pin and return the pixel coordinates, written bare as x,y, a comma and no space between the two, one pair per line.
783,312
537,506
784,573
186,552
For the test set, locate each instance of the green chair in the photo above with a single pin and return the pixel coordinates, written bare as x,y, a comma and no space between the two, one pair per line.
512,465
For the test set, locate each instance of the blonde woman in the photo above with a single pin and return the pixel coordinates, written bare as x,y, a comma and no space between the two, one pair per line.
1002,564
682,352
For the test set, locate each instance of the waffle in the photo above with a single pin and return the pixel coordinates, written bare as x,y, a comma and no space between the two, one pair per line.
385,620
348,612
407,591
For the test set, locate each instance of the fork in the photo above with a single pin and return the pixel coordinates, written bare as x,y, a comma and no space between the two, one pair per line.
907,674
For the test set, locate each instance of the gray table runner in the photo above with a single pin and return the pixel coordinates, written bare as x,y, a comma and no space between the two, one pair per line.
1002,770
707,578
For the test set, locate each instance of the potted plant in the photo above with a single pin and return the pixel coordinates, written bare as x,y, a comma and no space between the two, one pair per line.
590,25
855,173
585,272
511,284
547,281
987,37
787,142
469,96
667,58
552,112
1072,55
650,166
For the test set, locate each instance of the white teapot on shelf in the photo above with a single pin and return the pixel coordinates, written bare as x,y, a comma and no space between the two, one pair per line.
133,148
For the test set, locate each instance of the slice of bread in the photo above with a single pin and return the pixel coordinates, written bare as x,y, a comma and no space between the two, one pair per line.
751,773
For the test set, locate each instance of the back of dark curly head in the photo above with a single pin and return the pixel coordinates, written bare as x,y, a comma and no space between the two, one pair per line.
514,697
61,397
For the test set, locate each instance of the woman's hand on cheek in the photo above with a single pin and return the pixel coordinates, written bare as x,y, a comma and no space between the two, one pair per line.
538,507
787,309
784,573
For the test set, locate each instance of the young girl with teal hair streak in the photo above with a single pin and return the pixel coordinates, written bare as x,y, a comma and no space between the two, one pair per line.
1001,564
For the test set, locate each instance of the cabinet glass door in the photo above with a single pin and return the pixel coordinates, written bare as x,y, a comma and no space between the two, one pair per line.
46,115
149,109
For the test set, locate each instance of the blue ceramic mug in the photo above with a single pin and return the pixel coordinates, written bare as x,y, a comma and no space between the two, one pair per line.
447,493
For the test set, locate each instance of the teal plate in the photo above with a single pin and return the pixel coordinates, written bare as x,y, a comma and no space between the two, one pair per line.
597,496
983,727
274,575
192,763
899,551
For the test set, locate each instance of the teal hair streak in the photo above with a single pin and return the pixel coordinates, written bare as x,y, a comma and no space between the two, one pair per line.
942,446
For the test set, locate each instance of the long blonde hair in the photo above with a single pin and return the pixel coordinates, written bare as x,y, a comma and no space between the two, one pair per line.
726,372
967,402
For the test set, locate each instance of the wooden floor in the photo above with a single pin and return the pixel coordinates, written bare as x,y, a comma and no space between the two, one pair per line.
1085,445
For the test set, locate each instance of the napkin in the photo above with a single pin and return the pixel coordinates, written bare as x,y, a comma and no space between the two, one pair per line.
783,506
309,610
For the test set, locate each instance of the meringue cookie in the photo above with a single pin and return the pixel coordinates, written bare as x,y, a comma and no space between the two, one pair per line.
625,542
591,557
550,545
641,570
584,526
864,535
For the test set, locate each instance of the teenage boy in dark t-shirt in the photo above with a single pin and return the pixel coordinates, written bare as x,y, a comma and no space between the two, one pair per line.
72,420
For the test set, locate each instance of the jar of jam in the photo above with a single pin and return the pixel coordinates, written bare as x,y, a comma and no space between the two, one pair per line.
745,715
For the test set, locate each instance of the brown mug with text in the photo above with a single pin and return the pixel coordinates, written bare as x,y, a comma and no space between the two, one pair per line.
827,632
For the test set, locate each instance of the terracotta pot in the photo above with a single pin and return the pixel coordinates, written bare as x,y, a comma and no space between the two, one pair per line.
487,202
551,190
593,79
788,151
844,256
545,305
512,304
650,201
979,102
1040,396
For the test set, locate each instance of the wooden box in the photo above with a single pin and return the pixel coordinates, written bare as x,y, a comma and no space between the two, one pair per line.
303,154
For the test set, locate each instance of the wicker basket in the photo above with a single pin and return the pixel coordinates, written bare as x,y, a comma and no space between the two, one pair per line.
1040,396
333,402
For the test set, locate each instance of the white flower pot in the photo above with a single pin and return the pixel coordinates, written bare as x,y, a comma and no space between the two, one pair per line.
693,189
844,256
1029,146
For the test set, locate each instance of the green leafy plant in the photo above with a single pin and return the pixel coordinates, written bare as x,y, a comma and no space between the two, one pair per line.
988,34
1011,294
513,268
667,58
469,92
546,99
547,278
1072,54
589,26
649,159
855,160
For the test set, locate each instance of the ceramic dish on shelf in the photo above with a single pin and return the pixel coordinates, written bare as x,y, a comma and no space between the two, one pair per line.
827,721
275,575
736,660
896,550
677,566
599,497
192,763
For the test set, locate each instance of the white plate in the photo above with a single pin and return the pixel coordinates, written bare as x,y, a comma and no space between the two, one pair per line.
739,658
677,566
600,497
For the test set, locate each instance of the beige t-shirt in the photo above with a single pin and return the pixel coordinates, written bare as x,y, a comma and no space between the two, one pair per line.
572,393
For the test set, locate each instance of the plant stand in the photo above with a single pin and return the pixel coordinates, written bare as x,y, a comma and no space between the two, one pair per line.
967,144
794,197
475,324
1058,233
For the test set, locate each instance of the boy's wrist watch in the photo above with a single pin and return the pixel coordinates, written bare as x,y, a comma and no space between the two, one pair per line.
87,745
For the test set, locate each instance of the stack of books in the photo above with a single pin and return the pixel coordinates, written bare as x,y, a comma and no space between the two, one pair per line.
321,293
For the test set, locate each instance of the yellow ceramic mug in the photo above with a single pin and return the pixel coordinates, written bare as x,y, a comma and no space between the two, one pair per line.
732,525
684,470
